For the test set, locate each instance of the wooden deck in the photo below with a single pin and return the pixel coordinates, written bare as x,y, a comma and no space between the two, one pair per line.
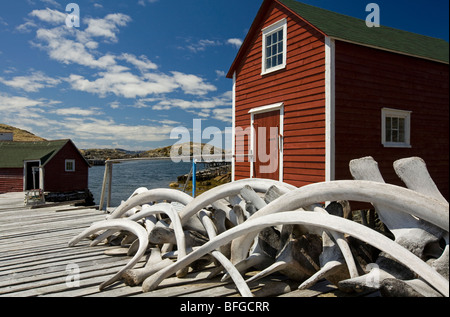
36,261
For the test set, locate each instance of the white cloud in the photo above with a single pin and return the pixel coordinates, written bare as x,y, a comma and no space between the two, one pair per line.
220,74
142,63
81,125
68,51
109,130
49,16
235,42
201,45
218,108
76,111
106,27
114,105
124,84
14,104
51,2
3,22
192,84
144,2
26,27
119,74
223,114
31,83
75,45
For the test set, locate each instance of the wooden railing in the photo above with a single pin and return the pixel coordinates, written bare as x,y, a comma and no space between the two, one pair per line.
106,192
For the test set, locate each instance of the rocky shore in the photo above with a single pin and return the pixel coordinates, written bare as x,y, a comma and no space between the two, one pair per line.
206,179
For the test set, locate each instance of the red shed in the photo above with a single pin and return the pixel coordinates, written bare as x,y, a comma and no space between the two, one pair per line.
314,89
53,166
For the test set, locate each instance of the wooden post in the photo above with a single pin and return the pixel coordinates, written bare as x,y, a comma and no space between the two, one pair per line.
102,197
194,176
41,178
110,169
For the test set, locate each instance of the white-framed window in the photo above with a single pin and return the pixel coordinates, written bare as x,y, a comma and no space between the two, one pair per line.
274,47
70,166
396,128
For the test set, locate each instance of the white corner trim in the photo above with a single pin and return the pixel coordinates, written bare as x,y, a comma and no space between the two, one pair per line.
329,109
233,136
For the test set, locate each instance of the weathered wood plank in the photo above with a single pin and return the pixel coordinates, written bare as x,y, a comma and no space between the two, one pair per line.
34,256
49,280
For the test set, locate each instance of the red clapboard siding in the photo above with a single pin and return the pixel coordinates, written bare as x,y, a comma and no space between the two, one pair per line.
368,80
58,180
301,87
11,180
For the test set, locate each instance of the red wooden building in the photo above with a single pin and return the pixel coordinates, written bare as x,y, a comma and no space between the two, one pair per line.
53,166
332,90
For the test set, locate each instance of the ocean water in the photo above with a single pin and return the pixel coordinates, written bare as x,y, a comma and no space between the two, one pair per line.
129,176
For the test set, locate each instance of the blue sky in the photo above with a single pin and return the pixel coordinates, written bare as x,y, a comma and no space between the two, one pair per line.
134,70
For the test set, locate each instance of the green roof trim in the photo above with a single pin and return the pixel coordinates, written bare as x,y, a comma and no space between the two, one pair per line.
13,154
355,30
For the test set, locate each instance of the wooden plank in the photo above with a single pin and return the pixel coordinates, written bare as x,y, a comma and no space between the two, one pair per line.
33,262
26,284
172,286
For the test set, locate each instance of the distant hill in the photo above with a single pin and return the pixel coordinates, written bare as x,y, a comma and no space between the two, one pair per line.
19,134
104,154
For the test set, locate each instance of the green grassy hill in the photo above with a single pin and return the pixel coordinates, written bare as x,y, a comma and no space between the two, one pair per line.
19,134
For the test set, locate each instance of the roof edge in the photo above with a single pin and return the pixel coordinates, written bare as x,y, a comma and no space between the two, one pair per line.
390,51
264,7
65,143
249,34
252,30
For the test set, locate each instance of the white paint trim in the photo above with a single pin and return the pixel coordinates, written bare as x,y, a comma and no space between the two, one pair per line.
69,161
266,31
281,144
269,108
330,104
388,112
41,177
233,137
25,177
252,143
274,26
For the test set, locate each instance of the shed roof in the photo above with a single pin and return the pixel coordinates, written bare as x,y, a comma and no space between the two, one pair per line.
13,154
354,30
351,29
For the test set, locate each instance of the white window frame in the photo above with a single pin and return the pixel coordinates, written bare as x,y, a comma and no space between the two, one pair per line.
73,164
276,27
395,113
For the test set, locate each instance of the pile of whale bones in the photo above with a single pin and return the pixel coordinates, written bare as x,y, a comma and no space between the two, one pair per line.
275,227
